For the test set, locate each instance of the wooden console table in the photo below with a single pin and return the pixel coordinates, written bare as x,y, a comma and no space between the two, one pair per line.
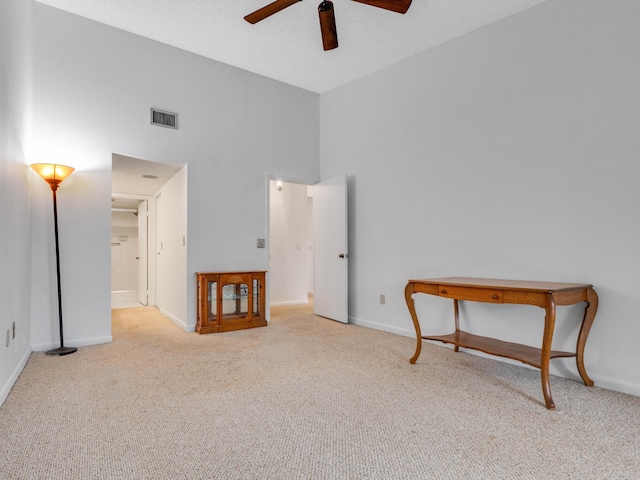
546,295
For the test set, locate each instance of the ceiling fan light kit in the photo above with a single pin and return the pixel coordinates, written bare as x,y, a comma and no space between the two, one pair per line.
327,15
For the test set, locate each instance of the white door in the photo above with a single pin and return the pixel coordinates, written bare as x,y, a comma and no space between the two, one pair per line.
330,269
143,276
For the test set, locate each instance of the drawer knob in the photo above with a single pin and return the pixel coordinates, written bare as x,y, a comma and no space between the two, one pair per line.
494,296
443,291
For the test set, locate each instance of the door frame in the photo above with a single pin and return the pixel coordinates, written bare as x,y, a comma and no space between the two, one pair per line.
267,260
309,182
151,237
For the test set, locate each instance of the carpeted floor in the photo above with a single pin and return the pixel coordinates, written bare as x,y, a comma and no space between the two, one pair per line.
304,398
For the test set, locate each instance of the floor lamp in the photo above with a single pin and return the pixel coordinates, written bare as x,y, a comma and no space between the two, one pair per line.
54,175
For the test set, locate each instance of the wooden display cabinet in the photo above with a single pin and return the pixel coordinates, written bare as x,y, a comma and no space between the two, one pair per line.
230,301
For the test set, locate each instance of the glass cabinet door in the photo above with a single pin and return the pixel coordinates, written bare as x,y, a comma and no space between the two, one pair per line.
235,298
212,301
256,297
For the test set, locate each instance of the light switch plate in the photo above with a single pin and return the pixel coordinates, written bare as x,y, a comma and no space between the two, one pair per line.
261,243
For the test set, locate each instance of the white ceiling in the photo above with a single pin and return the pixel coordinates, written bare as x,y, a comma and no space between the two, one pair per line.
129,176
287,46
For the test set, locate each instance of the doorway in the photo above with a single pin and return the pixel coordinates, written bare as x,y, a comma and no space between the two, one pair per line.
290,244
143,257
312,219
129,247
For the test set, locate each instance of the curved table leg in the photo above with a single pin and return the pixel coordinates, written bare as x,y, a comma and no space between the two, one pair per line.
589,315
549,324
408,292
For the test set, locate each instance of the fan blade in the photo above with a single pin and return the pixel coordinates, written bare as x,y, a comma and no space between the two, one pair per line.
400,6
328,25
269,10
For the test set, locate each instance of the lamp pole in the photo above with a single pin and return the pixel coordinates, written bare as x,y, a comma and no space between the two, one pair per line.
62,350
54,175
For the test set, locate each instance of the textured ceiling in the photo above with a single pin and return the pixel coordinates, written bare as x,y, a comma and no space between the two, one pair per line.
287,46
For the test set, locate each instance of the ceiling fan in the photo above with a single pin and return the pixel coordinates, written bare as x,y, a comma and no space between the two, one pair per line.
326,14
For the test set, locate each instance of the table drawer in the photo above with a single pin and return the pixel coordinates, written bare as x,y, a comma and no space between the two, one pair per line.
469,293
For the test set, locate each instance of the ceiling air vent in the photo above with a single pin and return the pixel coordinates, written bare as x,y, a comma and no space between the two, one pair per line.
164,119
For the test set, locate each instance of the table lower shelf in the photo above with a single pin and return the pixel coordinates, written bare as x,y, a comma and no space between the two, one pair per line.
516,351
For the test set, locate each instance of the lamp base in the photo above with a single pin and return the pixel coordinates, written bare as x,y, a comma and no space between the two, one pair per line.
62,351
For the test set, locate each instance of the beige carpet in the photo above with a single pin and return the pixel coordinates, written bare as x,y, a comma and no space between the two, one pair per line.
304,398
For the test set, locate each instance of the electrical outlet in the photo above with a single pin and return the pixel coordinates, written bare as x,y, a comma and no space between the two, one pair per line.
8,336
382,299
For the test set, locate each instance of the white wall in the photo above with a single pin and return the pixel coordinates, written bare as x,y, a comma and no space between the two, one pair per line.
15,204
509,153
289,244
93,88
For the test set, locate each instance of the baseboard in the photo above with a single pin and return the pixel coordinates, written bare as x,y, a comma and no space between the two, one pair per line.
177,321
599,380
290,302
405,332
616,385
6,388
83,342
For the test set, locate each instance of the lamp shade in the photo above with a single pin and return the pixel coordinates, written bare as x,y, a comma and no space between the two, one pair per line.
51,173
